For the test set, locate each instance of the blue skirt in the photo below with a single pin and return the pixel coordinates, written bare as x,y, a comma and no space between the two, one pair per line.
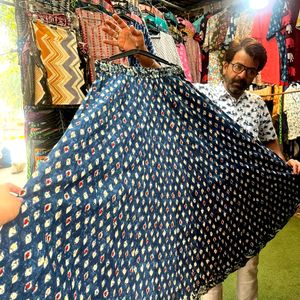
151,193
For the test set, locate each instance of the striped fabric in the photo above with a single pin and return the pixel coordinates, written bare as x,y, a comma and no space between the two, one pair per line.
91,28
60,57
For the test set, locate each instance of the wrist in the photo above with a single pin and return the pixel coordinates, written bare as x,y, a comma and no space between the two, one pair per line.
145,61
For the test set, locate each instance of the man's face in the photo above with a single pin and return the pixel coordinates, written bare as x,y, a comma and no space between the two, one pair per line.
239,73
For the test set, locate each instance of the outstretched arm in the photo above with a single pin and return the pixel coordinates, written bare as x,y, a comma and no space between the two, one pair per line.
127,38
274,146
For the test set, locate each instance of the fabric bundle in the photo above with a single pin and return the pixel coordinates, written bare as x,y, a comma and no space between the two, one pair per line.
151,193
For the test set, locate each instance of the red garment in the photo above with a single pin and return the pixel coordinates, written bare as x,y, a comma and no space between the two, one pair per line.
271,71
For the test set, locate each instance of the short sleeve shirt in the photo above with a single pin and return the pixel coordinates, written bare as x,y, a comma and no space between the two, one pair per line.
249,111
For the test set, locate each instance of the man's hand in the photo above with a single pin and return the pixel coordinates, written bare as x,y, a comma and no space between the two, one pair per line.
9,203
295,164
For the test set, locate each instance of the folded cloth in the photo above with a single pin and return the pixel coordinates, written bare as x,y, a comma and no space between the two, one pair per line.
151,193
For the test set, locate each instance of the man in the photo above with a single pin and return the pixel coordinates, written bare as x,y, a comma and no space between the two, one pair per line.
241,64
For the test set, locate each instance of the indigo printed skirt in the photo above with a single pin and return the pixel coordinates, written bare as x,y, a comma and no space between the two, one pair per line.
151,193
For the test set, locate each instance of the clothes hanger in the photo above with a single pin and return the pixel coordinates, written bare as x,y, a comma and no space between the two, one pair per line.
135,52
91,7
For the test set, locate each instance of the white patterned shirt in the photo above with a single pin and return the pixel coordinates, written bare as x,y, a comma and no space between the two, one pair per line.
249,111
292,109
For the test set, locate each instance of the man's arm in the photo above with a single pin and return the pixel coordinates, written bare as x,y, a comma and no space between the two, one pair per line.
274,146
293,163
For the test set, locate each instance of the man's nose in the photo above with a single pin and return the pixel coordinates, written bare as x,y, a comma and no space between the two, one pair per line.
243,74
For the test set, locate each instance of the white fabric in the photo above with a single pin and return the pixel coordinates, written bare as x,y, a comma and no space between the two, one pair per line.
165,48
291,107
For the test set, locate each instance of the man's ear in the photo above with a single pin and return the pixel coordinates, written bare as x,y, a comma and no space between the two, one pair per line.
225,67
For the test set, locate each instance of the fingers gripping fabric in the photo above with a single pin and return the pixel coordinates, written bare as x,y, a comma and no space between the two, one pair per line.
151,193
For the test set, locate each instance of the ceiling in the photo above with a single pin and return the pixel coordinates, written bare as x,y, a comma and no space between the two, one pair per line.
186,4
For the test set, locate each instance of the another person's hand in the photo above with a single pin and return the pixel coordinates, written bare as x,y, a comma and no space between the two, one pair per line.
127,38
9,204
295,164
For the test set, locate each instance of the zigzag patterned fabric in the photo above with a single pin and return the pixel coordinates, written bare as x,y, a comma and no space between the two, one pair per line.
60,57
151,193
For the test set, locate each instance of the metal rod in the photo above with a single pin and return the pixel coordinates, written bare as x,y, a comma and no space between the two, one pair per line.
171,5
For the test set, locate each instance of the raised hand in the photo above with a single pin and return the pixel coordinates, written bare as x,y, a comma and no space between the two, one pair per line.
123,36
127,38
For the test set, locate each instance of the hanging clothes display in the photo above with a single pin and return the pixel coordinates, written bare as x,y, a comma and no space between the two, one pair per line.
184,61
292,109
216,30
294,34
192,49
152,192
271,71
275,30
91,24
59,54
165,48
244,25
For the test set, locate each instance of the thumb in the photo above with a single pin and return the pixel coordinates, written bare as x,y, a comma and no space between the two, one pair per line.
14,189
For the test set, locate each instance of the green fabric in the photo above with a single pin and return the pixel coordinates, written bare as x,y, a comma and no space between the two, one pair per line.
169,16
160,23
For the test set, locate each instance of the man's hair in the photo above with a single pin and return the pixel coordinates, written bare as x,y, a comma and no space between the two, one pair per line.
252,47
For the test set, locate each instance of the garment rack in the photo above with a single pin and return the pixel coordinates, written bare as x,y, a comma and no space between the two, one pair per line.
278,94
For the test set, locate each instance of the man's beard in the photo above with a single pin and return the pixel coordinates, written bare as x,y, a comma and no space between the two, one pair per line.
237,86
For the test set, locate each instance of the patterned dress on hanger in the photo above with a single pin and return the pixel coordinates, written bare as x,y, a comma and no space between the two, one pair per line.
151,193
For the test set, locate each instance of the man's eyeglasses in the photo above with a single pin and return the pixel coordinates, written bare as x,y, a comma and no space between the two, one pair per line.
239,68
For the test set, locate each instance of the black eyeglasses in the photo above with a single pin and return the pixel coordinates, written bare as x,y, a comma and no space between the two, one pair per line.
239,68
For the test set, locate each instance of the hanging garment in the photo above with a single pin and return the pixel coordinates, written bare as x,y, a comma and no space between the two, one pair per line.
291,107
298,21
165,48
54,19
193,50
184,61
244,25
216,29
91,25
276,30
50,6
151,193
58,48
261,22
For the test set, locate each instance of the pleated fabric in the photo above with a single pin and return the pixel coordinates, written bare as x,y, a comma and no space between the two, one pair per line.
151,193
